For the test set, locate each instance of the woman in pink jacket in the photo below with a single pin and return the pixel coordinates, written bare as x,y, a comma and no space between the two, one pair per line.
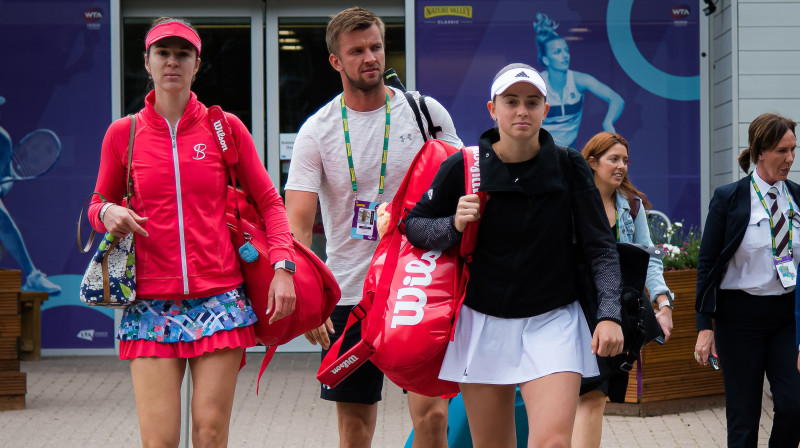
190,306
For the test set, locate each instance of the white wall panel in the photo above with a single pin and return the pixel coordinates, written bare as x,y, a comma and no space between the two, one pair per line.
751,108
769,86
768,14
769,38
767,62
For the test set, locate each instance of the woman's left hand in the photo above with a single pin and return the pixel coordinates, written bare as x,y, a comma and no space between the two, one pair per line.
607,339
281,295
664,318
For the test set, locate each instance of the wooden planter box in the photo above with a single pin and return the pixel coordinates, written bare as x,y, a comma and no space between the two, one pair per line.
667,379
12,381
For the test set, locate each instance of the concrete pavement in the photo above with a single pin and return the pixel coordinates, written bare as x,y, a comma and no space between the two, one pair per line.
87,402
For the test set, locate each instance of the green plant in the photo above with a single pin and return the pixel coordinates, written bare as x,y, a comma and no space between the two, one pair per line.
681,245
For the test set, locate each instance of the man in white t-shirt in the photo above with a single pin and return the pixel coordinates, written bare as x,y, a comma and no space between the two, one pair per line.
349,185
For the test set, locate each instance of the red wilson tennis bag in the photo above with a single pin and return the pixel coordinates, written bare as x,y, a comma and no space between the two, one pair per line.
315,287
411,295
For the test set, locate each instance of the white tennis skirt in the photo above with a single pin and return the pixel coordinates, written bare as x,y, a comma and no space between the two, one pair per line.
493,350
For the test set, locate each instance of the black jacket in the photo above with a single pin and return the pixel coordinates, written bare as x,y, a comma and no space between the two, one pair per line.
726,223
524,261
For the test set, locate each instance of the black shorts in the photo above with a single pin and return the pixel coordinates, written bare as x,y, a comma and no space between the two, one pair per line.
366,383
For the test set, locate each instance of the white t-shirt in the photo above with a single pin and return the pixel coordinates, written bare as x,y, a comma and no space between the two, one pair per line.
319,165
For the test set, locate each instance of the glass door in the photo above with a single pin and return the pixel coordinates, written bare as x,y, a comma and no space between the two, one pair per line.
304,79
231,71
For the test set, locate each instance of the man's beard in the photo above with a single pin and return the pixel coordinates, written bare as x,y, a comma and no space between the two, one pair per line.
363,85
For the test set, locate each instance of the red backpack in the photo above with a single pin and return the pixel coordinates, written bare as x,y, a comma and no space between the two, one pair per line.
315,287
411,296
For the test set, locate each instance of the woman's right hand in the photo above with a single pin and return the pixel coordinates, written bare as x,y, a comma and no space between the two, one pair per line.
468,210
120,221
320,336
705,346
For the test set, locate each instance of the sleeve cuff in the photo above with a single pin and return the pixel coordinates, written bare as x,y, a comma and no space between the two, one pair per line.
704,321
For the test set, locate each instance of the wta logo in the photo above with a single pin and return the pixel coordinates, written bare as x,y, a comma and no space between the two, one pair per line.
409,302
220,134
680,12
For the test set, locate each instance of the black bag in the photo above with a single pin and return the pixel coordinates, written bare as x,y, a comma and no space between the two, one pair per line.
639,324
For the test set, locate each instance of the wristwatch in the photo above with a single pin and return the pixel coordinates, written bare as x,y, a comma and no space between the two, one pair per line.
667,302
285,265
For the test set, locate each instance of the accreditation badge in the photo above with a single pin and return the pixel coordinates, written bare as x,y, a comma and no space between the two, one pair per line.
365,221
787,272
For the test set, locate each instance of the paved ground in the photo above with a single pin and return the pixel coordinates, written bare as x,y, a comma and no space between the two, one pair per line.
87,402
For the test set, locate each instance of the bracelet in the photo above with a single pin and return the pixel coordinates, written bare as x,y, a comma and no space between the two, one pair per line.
103,210
665,304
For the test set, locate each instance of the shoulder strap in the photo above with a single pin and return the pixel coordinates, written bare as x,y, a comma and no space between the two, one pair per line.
128,191
634,202
433,130
413,104
222,130
472,183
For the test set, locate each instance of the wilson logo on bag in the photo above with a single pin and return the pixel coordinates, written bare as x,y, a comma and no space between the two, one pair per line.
410,301
411,295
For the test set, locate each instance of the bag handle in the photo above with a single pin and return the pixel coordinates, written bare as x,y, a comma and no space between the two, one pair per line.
472,183
128,190
230,153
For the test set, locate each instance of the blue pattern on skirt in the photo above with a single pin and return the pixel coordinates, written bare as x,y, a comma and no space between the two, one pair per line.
185,320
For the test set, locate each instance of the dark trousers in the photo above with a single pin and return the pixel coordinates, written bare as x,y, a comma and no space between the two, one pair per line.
754,335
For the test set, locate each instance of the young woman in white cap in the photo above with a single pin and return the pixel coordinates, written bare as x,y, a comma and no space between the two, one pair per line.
190,308
521,323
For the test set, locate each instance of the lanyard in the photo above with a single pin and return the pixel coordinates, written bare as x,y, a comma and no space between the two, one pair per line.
350,150
616,219
769,215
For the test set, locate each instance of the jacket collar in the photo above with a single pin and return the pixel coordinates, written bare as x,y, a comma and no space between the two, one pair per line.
192,115
621,201
543,177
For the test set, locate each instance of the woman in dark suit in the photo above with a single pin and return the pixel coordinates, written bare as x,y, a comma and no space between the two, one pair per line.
745,285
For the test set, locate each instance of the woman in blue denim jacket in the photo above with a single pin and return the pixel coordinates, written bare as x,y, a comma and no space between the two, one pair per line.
607,155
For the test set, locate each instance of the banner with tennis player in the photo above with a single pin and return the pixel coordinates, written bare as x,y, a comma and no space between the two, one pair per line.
55,104
623,66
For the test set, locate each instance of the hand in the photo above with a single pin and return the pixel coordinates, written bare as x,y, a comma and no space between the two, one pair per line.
607,339
704,346
798,361
664,318
120,221
320,335
281,295
468,210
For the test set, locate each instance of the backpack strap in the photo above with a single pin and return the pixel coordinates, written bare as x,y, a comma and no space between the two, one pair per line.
633,203
413,104
433,130
472,183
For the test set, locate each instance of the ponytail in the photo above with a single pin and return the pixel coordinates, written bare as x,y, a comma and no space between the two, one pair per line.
744,160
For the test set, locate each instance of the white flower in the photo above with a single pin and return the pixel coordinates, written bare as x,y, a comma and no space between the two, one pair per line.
678,224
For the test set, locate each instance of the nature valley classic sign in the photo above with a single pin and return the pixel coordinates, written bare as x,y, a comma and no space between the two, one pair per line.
438,11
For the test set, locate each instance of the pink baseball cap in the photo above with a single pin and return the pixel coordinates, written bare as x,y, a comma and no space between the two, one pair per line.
514,76
172,29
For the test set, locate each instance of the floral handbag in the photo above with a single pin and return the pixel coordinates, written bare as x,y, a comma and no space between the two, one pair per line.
110,278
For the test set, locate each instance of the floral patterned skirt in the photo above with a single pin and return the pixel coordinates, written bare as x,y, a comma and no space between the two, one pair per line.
186,328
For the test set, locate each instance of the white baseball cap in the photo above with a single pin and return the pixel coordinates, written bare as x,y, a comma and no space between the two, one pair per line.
516,75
